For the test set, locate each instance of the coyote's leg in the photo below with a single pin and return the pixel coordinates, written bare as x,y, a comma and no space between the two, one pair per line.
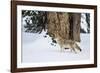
73,48
61,48
77,47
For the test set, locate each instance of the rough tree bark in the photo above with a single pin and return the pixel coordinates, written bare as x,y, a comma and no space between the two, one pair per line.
64,25
75,19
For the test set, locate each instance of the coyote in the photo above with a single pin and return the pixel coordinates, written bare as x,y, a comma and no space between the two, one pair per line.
64,28
68,44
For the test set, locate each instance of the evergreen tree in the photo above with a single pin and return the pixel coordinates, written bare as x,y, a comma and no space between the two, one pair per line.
88,21
38,19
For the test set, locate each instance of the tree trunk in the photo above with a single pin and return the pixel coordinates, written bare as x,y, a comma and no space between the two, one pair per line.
75,19
64,25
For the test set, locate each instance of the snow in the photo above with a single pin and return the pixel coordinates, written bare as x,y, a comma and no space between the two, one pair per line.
84,24
26,18
37,48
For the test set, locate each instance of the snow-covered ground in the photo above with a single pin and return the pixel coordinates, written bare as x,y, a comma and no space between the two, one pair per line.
37,48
